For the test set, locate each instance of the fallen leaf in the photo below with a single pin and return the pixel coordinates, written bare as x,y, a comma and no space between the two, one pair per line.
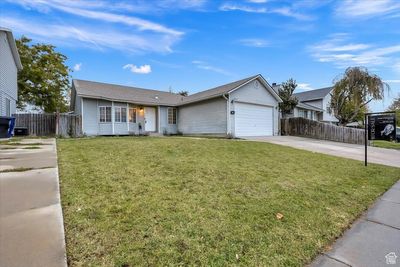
279,216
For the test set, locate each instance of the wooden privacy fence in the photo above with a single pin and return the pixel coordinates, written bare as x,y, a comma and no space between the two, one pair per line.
319,130
50,124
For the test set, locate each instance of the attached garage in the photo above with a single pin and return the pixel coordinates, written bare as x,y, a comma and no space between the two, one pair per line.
253,120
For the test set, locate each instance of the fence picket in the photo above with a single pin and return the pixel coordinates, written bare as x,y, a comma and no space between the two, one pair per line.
318,130
45,124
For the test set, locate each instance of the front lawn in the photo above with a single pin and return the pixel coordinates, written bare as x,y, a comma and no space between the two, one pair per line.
132,201
386,144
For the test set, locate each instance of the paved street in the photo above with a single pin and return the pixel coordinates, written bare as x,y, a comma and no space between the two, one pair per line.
31,223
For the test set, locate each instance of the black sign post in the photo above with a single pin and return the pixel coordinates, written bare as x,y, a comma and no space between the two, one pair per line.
379,126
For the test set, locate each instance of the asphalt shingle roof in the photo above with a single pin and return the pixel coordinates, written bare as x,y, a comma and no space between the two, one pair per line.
125,93
149,96
313,94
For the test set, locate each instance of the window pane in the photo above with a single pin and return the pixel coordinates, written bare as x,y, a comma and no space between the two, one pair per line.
117,114
171,115
132,115
108,114
123,114
102,114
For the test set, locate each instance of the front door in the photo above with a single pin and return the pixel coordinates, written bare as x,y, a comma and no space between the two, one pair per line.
150,119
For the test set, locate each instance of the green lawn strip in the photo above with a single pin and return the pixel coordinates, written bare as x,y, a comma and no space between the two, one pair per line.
22,169
386,144
31,147
181,201
25,144
16,170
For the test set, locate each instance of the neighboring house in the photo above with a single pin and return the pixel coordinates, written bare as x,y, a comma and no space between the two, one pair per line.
10,64
319,100
247,107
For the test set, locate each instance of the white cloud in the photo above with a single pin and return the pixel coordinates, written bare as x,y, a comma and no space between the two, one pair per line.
235,7
144,69
254,42
71,8
338,51
283,11
304,86
367,8
289,12
205,66
77,66
91,37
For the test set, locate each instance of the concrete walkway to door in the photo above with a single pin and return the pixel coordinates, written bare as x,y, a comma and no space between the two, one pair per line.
390,157
31,222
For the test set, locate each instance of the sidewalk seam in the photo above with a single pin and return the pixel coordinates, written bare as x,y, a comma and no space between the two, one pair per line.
332,258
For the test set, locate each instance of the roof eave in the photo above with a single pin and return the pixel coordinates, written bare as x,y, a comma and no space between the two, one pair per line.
127,101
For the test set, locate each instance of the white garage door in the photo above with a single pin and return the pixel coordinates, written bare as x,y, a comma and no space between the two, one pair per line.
253,120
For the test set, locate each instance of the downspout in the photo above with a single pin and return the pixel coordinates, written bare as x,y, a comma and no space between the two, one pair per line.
112,116
228,117
82,115
127,116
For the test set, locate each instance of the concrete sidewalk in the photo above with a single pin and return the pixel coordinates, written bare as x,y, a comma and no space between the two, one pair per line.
390,157
373,240
31,223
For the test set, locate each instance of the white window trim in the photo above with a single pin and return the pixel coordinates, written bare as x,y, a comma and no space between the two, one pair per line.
120,114
176,119
99,107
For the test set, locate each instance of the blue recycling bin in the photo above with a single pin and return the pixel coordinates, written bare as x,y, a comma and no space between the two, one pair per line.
7,125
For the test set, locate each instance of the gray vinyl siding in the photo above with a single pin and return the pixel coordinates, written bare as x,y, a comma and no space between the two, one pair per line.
207,117
252,94
8,76
78,105
166,128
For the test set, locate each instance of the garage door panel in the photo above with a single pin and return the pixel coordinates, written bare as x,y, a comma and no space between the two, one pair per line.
253,120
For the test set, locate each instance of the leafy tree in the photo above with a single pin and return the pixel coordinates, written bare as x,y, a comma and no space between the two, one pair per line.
286,94
183,93
44,80
395,106
353,91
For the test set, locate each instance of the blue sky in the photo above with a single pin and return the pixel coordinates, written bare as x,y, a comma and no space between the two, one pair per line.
198,44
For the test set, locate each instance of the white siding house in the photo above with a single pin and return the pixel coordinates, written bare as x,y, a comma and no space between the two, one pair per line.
315,102
247,107
10,64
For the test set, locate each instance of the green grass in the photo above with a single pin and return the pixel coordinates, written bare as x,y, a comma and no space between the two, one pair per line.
16,170
386,144
180,201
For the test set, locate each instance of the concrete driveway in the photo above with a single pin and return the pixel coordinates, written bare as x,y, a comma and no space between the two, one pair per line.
31,222
390,157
